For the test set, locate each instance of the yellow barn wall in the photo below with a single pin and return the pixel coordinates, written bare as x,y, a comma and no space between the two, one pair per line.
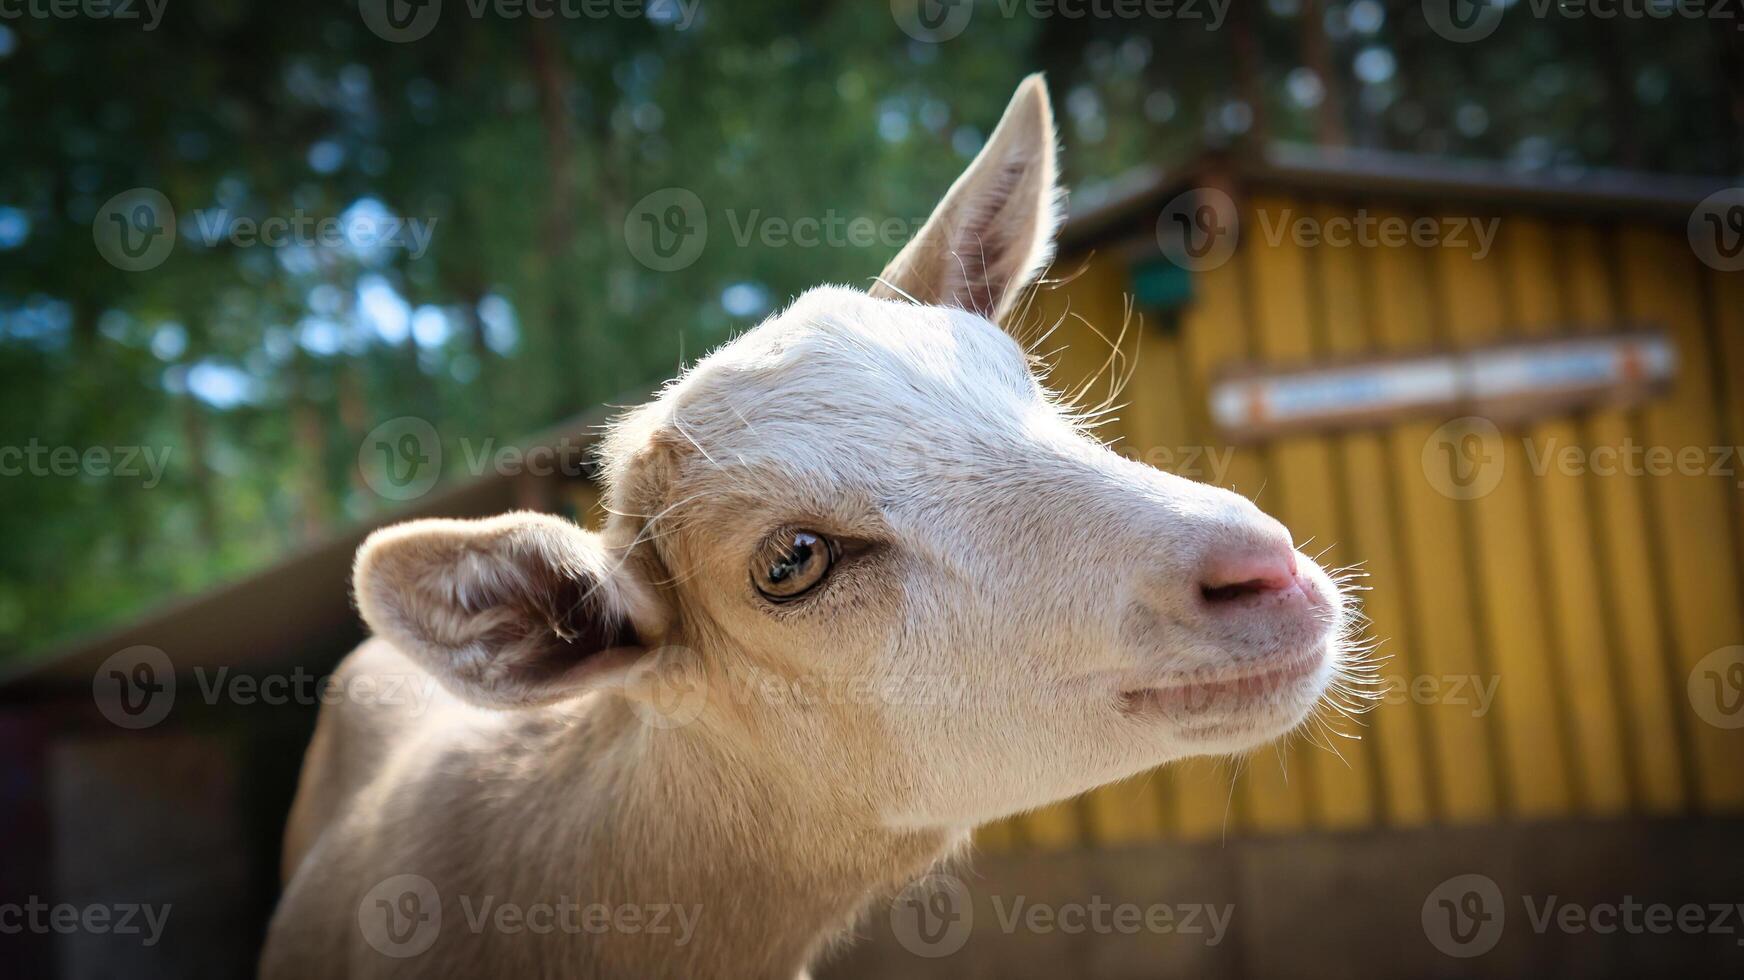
1585,599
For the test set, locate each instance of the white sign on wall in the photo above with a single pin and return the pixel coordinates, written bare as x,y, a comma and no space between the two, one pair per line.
1504,382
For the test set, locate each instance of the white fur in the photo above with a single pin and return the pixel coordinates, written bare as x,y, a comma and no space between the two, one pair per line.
1020,618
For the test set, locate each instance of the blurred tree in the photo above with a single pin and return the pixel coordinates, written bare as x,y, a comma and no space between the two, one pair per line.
522,145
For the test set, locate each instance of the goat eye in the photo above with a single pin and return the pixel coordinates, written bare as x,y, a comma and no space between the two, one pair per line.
791,563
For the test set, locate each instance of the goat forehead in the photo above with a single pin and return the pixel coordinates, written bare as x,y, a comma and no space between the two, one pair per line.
840,362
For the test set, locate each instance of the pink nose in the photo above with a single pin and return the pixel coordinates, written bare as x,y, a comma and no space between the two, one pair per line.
1238,579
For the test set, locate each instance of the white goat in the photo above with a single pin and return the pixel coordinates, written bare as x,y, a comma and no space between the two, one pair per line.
898,590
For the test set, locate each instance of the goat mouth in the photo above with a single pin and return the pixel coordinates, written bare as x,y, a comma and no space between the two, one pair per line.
1211,696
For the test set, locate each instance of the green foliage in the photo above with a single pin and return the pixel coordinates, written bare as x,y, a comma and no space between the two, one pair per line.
523,144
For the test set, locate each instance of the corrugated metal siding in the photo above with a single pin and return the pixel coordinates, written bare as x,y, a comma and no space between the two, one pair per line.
1587,599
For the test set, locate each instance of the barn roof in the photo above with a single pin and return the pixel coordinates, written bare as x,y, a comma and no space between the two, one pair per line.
293,611
1116,207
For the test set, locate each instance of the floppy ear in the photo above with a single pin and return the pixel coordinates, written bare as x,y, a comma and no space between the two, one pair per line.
994,232
514,611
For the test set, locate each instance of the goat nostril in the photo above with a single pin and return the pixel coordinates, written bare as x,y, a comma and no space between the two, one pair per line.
1227,593
1234,578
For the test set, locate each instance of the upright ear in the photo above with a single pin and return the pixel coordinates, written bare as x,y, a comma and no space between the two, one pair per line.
514,611
994,232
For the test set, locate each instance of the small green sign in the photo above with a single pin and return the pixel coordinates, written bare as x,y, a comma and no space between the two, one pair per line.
1161,285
